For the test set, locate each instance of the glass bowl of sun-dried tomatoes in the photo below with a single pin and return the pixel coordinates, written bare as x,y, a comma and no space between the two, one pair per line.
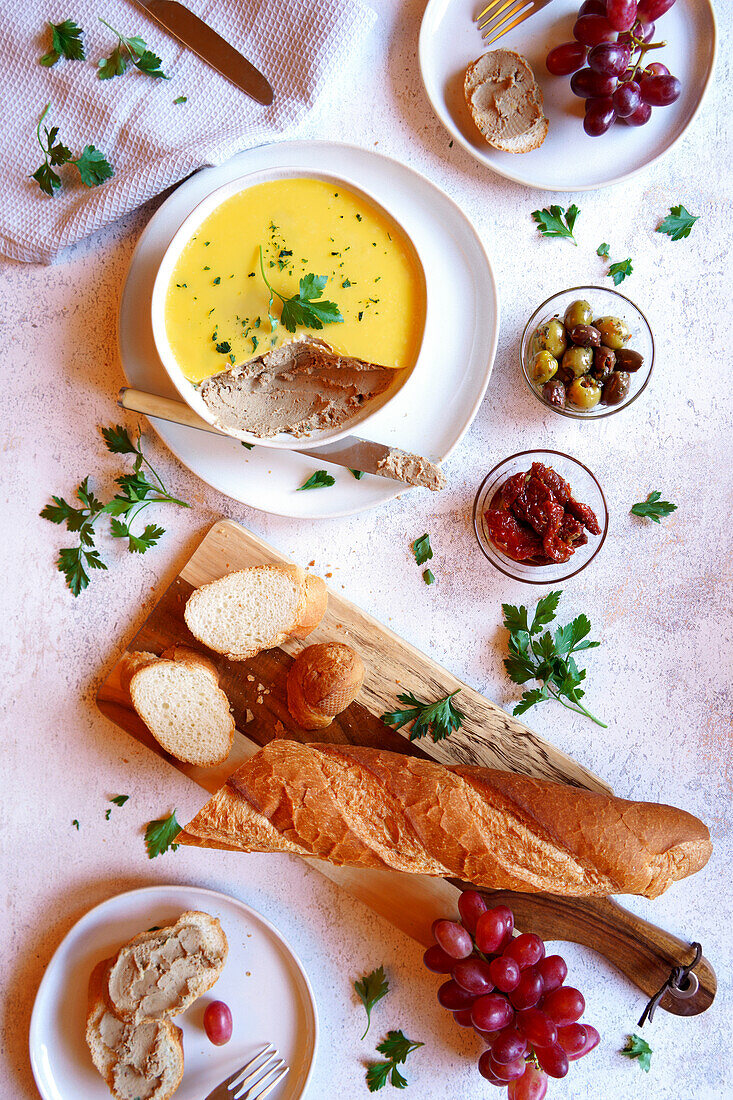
540,516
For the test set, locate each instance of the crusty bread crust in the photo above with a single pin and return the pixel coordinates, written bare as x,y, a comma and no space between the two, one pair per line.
368,808
314,606
322,681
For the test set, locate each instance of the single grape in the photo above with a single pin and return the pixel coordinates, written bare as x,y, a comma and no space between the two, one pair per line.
471,905
626,99
507,1071
505,912
600,115
218,1023
528,992
553,1060
591,1042
640,117
621,14
586,83
553,970
526,950
508,1045
435,959
531,1086
492,1012
652,9
463,1017
572,1038
657,69
566,58
487,1036
609,58
450,995
505,973
473,975
453,938
564,1005
490,931
592,7
537,1028
659,91
592,29
646,31
484,1068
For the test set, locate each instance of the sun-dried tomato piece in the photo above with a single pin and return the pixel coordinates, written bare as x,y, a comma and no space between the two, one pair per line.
508,535
532,505
555,549
511,489
556,484
585,514
571,531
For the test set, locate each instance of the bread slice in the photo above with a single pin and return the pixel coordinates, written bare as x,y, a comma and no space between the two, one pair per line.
161,972
254,609
322,681
506,101
181,703
137,1060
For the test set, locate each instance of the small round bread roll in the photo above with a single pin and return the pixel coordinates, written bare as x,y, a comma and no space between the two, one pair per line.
323,680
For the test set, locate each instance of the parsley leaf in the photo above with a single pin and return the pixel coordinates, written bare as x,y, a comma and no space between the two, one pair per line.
556,222
93,166
653,507
118,440
439,719
75,823
181,99
396,1048
134,50
428,576
160,834
636,1047
358,474
370,989
306,307
678,223
546,658
422,549
319,480
602,250
119,799
376,1075
620,271
65,42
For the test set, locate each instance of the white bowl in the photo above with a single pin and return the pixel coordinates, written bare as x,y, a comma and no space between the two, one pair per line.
188,390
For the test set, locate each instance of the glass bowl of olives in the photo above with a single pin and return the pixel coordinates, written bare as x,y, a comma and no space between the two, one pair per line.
587,352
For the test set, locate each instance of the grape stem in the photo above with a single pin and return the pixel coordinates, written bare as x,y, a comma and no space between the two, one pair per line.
643,48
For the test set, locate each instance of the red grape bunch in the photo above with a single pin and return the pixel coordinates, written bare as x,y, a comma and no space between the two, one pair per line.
512,994
608,63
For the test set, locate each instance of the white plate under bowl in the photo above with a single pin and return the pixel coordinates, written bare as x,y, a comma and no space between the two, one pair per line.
190,393
568,160
263,983
428,418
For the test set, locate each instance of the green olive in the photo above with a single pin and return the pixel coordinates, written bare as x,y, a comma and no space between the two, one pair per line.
551,337
578,361
584,393
614,332
542,367
578,313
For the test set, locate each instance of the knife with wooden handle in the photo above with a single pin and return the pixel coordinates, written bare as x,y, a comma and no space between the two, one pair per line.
362,455
199,37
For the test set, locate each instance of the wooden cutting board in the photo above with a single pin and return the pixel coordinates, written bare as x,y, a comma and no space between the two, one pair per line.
489,737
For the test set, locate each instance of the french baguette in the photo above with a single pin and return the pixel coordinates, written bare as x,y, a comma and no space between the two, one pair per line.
322,681
496,829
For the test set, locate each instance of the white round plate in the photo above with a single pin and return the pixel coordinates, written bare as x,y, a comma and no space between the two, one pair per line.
568,160
263,983
433,409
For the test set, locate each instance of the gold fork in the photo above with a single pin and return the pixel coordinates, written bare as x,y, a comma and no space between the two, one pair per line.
514,12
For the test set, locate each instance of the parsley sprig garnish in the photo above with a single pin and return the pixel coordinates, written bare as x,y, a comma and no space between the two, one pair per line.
620,271
654,508
638,1048
66,41
160,834
395,1048
553,221
94,168
135,494
548,659
439,719
129,50
304,308
678,223
370,989
321,479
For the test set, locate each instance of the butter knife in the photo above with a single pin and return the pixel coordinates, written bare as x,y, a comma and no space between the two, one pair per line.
352,452
199,37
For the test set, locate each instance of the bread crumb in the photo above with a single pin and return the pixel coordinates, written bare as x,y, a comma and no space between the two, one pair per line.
248,717
329,574
251,678
310,563
259,699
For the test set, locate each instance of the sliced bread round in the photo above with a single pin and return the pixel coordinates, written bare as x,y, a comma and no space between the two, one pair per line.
506,101
184,708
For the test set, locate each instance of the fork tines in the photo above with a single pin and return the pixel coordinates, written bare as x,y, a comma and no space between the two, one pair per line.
258,1077
501,16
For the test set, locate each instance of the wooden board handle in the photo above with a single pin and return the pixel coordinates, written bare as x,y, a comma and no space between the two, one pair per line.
644,953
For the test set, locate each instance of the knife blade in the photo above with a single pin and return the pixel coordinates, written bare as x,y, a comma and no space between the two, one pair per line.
354,453
199,37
